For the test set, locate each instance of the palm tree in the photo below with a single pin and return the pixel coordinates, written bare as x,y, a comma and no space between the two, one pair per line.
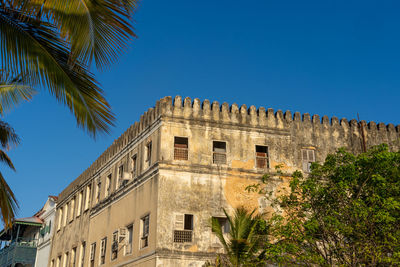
243,242
50,45
12,93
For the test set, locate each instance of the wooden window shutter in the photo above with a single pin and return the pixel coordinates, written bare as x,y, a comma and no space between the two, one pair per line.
179,221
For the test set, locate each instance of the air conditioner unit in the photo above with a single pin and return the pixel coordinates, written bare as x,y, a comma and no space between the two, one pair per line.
122,233
127,176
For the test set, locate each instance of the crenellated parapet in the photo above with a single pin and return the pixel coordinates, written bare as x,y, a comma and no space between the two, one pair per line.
224,114
233,114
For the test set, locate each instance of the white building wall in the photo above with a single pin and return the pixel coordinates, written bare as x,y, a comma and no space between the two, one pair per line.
44,242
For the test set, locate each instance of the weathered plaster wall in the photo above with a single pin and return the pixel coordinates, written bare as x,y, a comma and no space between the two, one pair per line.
198,186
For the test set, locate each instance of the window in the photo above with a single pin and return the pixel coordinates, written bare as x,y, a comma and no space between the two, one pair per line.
103,247
65,214
144,237
52,263
82,254
78,209
308,156
121,181
262,157
183,228
73,257
134,165
224,223
58,261
108,185
60,216
65,261
128,247
87,199
98,189
181,148
148,153
72,208
219,152
92,253
114,246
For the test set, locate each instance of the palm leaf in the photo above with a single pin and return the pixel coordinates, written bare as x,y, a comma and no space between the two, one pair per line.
8,136
97,30
13,91
34,49
8,202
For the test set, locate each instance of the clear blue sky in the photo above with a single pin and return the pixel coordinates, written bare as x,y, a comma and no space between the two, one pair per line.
332,58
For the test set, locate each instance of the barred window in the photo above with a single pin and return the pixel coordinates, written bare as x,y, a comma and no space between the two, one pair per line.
181,148
308,156
183,231
134,165
262,157
103,246
219,152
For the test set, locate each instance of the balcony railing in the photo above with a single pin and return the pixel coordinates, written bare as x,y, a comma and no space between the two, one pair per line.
21,251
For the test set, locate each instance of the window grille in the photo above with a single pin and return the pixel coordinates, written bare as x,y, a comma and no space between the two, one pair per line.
219,152
182,236
103,247
181,148
262,157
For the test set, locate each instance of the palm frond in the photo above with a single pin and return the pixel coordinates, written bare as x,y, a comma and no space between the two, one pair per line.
13,91
98,30
8,202
35,50
8,137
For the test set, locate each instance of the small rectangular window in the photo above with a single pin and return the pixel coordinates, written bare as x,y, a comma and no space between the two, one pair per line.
219,152
103,248
119,176
308,156
73,257
82,252
108,186
98,189
134,165
114,246
224,223
145,224
128,248
72,208
183,228
78,209
262,157
181,148
88,195
148,153
65,261
65,214
60,216
92,253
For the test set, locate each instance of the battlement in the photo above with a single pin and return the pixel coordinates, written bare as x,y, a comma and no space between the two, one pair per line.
260,117
239,116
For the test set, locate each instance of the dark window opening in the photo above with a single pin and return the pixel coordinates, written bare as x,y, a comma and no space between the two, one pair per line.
181,148
262,157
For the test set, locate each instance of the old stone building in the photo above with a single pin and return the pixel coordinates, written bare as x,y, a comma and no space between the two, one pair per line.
148,199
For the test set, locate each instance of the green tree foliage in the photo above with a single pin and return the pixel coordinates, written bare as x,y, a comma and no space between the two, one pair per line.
243,243
346,212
